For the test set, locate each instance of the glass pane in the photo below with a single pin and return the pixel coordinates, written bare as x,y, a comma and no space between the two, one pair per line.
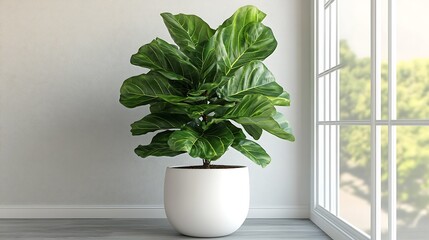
333,96
355,92
321,38
320,165
354,192
413,182
328,95
327,98
328,43
412,59
321,99
327,30
328,167
384,59
331,42
333,168
355,51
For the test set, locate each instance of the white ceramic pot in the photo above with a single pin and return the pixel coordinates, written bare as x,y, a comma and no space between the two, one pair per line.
206,202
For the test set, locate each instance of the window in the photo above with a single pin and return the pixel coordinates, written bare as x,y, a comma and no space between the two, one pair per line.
371,118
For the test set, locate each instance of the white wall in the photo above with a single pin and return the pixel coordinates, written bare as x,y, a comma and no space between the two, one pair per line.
64,137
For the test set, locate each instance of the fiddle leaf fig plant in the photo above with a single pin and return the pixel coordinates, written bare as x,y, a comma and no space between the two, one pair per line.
209,87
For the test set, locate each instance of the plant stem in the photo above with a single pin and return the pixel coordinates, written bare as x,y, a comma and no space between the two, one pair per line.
204,116
206,163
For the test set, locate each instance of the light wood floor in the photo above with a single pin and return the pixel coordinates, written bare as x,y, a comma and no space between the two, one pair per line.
147,229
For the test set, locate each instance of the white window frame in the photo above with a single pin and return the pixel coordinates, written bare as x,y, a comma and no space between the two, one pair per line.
327,220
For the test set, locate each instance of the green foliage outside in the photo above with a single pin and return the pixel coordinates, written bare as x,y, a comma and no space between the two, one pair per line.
412,141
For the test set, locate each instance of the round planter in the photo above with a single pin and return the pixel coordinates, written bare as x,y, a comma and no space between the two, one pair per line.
206,202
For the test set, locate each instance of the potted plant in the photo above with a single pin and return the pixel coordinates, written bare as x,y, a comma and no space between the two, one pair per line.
199,94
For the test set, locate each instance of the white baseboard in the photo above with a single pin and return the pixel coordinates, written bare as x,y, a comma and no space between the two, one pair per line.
298,211
73,211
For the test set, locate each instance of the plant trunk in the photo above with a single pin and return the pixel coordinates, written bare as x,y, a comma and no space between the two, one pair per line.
206,163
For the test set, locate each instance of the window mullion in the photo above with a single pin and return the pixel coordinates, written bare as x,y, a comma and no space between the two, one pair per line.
392,116
328,113
375,113
337,112
328,159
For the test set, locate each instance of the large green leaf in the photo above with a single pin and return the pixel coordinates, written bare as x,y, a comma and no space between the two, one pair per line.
253,151
193,111
236,47
251,106
209,144
157,147
165,107
208,65
166,59
283,130
179,99
258,110
236,132
248,148
276,125
243,16
281,100
187,31
153,87
158,121
252,78
146,88
253,130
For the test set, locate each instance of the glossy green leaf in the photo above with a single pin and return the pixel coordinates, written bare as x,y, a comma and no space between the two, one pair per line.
198,110
251,106
209,144
258,110
209,60
180,99
281,129
281,100
248,148
157,147
253,151
192,111
243,16
215,84
276,125
158,121
153,87
236,47
166,59
187,31
253,130
208,64
165,107
196,93
145,88
236,132
252,78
